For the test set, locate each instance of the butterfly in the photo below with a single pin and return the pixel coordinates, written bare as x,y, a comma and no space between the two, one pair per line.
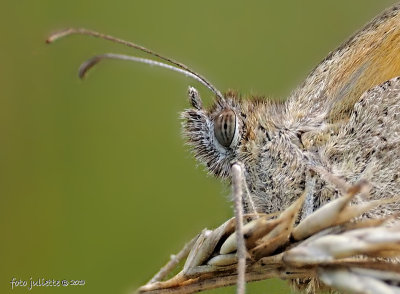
342,125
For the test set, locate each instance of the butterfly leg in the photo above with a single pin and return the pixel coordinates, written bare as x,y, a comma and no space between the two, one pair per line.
247,200
237,183
308,206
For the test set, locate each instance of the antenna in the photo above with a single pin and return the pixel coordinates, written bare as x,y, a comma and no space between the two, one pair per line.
179,67
88,64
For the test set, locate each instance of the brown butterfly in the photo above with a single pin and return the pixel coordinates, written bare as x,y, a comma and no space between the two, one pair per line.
339,128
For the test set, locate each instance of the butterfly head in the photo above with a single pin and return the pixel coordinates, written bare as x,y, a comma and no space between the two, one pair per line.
215,134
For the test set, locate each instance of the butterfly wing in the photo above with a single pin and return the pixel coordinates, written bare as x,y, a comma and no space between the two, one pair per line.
369,58
368,146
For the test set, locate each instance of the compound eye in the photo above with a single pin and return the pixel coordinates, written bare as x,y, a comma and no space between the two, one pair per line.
225,127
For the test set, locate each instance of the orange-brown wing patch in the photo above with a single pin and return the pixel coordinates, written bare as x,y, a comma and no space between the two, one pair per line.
369,58
375,60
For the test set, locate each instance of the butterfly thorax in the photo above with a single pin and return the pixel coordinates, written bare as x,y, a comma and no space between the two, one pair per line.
273,146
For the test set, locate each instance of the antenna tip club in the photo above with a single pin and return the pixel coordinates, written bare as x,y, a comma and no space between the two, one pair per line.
60,34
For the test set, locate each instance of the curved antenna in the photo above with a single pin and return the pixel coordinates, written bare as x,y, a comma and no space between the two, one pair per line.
185,69
88,64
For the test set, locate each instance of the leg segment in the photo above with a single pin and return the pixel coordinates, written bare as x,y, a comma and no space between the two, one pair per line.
237,181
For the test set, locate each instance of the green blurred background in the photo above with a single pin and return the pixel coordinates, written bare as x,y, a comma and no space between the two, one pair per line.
95,181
